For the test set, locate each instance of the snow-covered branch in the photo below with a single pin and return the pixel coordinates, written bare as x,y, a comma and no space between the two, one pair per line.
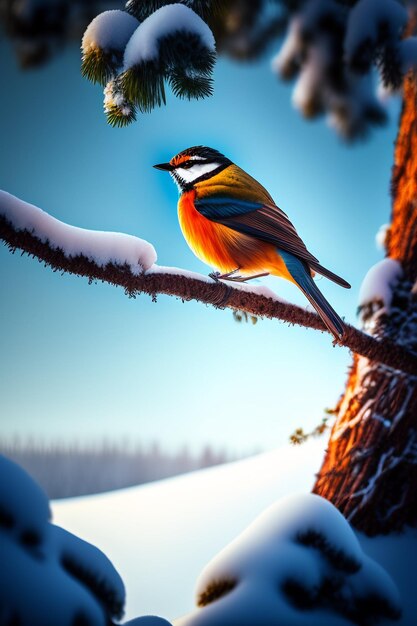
129,262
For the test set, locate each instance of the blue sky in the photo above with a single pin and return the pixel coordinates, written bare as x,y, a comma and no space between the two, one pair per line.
78,361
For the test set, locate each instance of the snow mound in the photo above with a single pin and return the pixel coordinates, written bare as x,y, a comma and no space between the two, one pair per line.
381,236
168,20
110,30
160,536
49,576
100,247
299,563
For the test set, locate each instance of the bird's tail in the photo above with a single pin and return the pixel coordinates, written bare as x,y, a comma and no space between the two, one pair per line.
301,276
330,275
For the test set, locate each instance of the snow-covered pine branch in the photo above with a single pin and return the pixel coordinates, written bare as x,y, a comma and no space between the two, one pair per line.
48,575
331,49
313,53
129,262
320,573
173,44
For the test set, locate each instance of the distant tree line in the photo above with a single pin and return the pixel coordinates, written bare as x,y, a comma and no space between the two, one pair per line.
67,470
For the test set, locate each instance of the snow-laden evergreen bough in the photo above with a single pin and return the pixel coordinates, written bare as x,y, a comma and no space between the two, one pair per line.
172,44
331,48
298,564
49,577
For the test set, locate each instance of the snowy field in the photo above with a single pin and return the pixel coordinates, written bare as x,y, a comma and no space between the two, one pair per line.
161,536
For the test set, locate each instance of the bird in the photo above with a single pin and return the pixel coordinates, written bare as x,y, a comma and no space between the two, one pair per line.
231,223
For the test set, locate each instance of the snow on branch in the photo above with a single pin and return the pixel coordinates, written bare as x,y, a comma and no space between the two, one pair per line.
373,26
172,44
313,53
104,42
375,294
98,247
128,262
331,50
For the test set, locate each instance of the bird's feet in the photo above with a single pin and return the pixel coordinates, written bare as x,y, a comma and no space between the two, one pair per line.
216,276
235,278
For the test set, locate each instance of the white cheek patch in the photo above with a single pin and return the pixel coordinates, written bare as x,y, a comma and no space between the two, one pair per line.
190,174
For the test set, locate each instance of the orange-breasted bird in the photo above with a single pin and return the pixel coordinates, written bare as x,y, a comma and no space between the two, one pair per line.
231,223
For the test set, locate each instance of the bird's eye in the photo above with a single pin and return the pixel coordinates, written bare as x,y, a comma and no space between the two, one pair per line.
187,164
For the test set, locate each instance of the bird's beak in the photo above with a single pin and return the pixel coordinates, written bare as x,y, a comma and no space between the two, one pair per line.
166,167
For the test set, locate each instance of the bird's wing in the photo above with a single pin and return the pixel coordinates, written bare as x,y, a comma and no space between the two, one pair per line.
263,221
267,223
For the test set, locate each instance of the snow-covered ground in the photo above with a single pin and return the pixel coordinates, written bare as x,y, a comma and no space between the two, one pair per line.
161,536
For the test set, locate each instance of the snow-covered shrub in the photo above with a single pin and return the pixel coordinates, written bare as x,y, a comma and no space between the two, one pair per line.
47,575
298,564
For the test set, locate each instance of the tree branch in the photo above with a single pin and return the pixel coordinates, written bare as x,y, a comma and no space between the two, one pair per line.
254,300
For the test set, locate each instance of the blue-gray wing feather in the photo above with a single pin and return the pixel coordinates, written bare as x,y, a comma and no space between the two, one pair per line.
264,222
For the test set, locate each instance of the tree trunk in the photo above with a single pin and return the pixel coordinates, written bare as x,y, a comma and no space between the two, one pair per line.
370,468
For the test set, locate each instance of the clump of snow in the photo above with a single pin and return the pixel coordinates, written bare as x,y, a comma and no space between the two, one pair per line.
48,576
88,563
168,20
288,59
370,23
298,564
379,282
24,506
381,236
178,271
98,246
110,30
312,52
308,92
115,99
250,287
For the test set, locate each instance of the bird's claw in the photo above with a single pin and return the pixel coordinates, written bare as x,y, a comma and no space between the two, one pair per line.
233,277
215,276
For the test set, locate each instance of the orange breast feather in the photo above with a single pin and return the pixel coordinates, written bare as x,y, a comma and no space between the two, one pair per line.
210,242
219,246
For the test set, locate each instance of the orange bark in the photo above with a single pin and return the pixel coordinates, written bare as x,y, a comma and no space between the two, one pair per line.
370,469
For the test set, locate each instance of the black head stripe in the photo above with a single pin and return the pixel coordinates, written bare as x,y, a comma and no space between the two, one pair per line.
187,186
208,154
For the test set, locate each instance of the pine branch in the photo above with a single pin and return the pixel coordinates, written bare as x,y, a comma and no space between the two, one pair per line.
186,286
